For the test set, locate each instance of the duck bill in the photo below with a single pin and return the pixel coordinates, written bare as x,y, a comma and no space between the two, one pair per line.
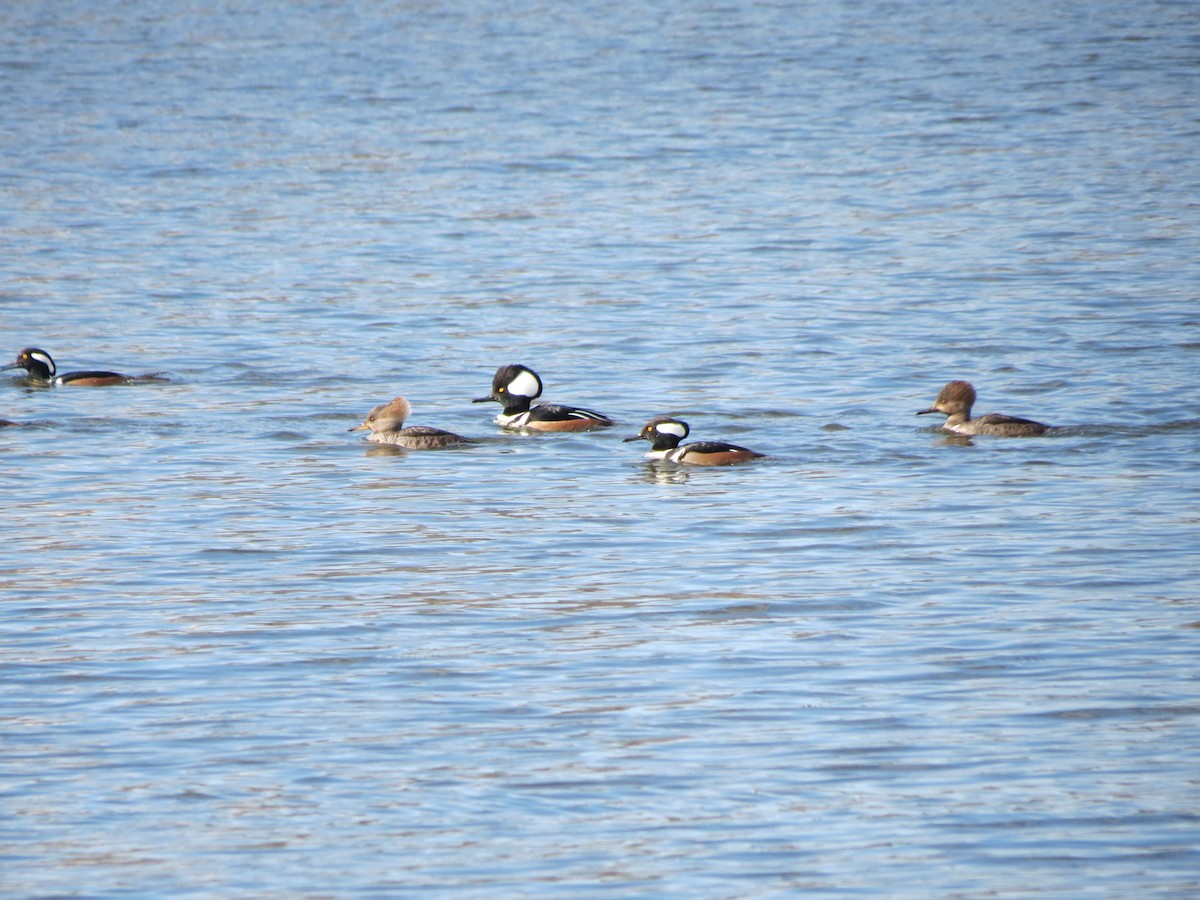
363,427
635,437
921,412
483,399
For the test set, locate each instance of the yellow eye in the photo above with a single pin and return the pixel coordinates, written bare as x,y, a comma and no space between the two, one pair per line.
500,391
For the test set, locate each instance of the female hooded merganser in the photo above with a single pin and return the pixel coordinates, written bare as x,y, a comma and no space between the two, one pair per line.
955,401
665,433
386,424
516,387
41,367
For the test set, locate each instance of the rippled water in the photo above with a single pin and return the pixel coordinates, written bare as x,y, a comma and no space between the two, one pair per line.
245,653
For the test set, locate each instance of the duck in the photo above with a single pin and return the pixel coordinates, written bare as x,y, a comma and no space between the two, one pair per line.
40,366
386,424
664,434
955,401
515,387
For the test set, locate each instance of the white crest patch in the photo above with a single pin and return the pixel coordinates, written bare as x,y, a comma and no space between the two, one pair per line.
44,359
675,428
525,385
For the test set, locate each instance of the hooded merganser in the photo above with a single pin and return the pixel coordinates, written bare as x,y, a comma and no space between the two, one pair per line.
516,387
665,433
955,401
386,424
40,367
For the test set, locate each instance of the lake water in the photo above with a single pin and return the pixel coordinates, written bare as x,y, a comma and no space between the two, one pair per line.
244,653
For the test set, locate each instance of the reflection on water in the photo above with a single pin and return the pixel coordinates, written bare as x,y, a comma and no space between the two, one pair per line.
657,471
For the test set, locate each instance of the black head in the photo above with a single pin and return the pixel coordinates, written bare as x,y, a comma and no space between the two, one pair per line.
514,386
663,433
36,362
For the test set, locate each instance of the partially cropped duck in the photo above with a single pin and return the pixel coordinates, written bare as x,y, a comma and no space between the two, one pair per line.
515,388
40,366
955,401
386,424
665,433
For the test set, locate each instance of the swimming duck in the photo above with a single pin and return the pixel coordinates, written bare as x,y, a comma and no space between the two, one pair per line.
664,434
386,424
515,387
40,366
955,401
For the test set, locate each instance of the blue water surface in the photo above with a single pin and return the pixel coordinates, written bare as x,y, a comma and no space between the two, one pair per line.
244,653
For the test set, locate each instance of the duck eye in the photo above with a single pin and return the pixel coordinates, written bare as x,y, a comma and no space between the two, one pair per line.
500,391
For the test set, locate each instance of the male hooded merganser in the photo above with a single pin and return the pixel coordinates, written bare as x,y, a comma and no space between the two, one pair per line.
41,367
386,424
955,401
665,433
516,387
